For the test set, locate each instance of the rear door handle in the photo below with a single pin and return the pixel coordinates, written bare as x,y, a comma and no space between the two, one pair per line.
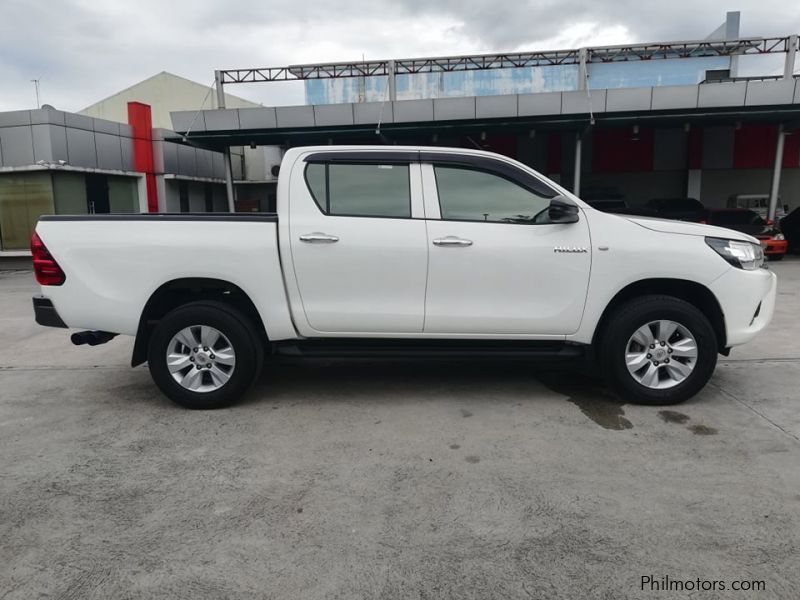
318,238
451,240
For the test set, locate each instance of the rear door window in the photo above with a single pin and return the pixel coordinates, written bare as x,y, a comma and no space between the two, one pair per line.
360,190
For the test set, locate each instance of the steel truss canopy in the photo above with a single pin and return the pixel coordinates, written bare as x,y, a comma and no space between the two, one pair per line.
448,64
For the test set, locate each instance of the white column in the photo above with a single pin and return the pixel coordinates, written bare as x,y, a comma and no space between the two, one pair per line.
776,174
576,182
582,68
141,189
791,55
392,82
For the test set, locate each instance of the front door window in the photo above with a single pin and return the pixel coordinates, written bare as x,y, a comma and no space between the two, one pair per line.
471,195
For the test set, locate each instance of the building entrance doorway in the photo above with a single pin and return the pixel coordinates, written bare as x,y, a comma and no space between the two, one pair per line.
97,194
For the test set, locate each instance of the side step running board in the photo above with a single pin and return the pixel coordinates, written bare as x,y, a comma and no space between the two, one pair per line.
429,349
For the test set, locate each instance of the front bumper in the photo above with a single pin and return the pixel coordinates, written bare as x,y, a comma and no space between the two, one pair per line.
747,299
46,314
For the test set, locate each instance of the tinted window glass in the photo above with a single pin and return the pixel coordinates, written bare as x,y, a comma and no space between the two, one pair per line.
360,190
315,177
677,204
736,217
469,195
369,190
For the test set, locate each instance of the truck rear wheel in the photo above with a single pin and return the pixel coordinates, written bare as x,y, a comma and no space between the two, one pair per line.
658,350
204,355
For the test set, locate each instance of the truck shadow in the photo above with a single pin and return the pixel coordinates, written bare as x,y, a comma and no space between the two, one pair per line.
400,382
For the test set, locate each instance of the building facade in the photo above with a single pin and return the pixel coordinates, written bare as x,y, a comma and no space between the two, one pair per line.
620,123
118,156
164,92
54,162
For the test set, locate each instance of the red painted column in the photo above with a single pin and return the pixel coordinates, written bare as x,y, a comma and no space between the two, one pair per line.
140,120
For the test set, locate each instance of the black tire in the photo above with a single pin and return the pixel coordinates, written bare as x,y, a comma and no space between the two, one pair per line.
240,331
630,316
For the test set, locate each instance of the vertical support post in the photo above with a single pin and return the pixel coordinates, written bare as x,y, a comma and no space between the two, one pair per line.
731,27
219,90
776,174
694,183
694,161
576,182
229,189
791,55
390,74
583,54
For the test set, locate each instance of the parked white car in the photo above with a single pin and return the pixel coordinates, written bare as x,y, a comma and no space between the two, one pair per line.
758,203
405,251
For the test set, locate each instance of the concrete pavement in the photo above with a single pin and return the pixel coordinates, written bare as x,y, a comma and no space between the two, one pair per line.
391,480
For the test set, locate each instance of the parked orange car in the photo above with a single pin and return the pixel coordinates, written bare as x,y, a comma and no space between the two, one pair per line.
751,223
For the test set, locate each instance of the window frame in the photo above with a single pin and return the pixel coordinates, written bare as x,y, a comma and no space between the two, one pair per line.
489,171
367,161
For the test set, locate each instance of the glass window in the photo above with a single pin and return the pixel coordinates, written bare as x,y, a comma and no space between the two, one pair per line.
23,198
470,195
724,218
315,178
361,190
123,195
69,191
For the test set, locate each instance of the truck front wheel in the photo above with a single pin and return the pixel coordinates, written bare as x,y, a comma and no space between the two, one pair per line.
657,350
204,355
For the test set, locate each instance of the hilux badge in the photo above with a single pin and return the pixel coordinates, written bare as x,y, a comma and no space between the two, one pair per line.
571,249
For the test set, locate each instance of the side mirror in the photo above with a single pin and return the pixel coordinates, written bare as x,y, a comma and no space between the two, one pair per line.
562,210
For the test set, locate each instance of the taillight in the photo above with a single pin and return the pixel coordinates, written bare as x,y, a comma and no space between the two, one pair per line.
45,266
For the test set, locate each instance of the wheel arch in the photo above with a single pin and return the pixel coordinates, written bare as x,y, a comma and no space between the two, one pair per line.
178,292
690,291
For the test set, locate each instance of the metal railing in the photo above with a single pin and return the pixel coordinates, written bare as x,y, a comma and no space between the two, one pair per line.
446,64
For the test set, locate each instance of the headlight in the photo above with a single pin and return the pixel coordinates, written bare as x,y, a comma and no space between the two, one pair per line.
742,255
779,237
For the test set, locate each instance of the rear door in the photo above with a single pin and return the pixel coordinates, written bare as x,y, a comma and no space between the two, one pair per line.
358,243
497,266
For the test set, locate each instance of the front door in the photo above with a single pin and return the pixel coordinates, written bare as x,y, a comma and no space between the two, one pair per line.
359,250
497,266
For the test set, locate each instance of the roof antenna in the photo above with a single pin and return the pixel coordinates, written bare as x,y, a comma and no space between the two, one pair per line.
35,83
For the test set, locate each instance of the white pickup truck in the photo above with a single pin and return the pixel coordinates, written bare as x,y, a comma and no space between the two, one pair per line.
405,251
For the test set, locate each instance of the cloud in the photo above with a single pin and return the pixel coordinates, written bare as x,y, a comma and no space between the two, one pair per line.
84,50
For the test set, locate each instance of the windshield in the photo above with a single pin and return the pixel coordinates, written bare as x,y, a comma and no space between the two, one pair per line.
677,204
736,217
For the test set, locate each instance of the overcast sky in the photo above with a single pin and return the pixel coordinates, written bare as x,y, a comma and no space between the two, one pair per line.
85,50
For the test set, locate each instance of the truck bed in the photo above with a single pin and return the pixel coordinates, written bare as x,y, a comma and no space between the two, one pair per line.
115,262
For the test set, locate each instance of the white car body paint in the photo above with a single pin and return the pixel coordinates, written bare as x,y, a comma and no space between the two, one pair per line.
384,277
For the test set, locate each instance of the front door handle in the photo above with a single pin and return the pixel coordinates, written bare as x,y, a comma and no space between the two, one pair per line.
318,238
451,240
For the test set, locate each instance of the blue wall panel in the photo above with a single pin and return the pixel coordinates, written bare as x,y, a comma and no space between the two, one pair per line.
650,73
